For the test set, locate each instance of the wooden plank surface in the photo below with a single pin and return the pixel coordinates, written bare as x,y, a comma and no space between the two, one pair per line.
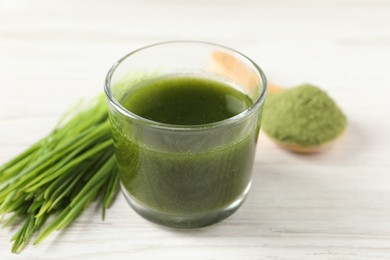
334,205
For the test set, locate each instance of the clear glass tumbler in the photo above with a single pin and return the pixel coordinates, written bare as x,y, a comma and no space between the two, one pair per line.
185,176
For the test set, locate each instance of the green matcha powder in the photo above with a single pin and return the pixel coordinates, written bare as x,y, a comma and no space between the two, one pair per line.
303,115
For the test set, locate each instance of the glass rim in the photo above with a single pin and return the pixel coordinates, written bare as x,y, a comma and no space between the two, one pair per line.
147,122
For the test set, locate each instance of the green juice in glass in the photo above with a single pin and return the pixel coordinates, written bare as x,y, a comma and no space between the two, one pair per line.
185,177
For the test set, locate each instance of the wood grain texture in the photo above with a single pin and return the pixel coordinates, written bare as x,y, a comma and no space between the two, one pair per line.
333,205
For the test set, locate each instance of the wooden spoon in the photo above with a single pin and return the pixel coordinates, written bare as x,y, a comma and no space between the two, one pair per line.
272,88
225,64
297,148
294,147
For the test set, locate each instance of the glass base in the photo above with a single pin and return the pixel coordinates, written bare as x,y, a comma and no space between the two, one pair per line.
185,222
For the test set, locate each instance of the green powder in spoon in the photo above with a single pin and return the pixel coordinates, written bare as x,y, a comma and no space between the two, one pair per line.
303,115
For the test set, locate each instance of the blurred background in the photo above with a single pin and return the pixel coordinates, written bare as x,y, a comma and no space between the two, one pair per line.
54,52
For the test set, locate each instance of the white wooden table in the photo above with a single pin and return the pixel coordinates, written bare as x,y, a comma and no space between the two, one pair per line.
334,205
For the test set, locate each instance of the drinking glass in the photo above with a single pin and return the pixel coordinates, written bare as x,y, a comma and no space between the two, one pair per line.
185,176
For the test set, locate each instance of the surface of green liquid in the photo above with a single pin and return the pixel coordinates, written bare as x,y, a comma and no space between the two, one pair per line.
186,101
174,177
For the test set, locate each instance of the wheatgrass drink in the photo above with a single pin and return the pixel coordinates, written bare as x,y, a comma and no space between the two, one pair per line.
184,132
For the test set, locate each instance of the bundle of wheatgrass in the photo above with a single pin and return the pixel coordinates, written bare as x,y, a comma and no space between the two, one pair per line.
60,175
